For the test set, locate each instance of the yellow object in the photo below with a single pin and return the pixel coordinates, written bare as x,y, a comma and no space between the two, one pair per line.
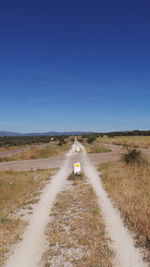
77,165
77,168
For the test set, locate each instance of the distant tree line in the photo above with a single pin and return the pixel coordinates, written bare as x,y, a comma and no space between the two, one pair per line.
120,133
130,133
7,141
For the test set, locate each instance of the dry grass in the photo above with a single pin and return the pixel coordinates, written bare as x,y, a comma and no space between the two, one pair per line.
136,141
52,149
129,187
76,233
17,190
96,147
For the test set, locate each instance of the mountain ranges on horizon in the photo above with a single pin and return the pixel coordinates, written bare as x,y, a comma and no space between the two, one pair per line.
51,133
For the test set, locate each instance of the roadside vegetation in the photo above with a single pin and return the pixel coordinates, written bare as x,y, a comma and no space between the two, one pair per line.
94,146
91,139
118,134
76,233
97,148
50,150
8,141
134,156
128,184
18,191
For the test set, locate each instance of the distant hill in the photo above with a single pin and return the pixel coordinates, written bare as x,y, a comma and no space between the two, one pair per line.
5,133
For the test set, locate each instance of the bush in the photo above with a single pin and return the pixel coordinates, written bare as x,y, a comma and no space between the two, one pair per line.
61,141
133,156
80,140
91,139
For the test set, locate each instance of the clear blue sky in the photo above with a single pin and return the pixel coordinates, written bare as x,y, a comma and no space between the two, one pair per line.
74,65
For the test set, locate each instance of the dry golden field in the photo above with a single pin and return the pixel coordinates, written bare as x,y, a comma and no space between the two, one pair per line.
138,141
129,187
50,150
96,147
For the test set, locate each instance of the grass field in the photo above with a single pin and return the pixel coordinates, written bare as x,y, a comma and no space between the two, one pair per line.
96,147
137,141
18,190
52,149
129,188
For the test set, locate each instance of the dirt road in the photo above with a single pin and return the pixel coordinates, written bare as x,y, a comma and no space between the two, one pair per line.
54,162
14,151
11,152
28,252
46,163
25,165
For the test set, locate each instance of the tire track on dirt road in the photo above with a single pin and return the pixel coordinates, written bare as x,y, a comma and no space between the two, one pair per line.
28,252
122,242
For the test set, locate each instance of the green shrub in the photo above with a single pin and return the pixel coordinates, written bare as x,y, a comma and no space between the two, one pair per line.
91,139
60,143
133,156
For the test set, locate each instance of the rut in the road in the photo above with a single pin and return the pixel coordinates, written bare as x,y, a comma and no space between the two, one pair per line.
122,243
29,251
